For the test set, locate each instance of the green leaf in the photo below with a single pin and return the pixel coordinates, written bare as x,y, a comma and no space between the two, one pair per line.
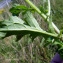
31,20
57,43
18,27
16,9
12,20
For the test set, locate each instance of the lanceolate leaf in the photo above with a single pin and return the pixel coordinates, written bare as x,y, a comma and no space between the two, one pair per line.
16,26
31,20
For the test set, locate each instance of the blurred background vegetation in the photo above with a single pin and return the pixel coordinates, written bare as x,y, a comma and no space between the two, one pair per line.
25,51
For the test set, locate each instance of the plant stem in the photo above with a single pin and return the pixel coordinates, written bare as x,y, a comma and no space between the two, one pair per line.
49,8
42,14
35,8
